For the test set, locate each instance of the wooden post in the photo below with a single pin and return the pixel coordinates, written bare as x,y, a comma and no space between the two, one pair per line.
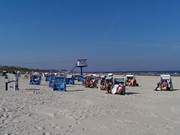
6,86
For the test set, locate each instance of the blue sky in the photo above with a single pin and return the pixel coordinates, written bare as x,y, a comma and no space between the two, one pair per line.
111,34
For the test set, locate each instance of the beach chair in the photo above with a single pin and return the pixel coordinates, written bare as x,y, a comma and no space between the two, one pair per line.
103,83
4,73
12,82
165,83
59,84
51,81
35,79
91,81
119,86
109,84
79,78
70,80
131,81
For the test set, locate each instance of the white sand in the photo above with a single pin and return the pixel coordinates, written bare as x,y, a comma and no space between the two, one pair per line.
83,111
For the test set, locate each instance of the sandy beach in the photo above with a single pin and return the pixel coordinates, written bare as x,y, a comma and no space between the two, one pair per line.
83,111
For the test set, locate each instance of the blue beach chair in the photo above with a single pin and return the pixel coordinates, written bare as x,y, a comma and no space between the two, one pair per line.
59,84
70,80
35,80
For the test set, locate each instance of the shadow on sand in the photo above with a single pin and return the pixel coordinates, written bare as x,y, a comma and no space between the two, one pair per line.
167,90
75,90
176,89
31,89
69,85
132,93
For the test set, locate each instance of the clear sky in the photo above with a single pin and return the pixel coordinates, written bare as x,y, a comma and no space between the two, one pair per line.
111,34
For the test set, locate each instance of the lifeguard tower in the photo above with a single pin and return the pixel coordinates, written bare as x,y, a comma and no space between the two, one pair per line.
81,63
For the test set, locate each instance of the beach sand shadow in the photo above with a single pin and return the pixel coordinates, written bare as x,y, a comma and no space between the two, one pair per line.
176,89
132,93
75,90
167,90
31,89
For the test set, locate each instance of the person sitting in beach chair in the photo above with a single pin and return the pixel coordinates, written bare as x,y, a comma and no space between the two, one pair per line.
91,81
103,83
131,81
165,83
109,84
87,82
119,86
